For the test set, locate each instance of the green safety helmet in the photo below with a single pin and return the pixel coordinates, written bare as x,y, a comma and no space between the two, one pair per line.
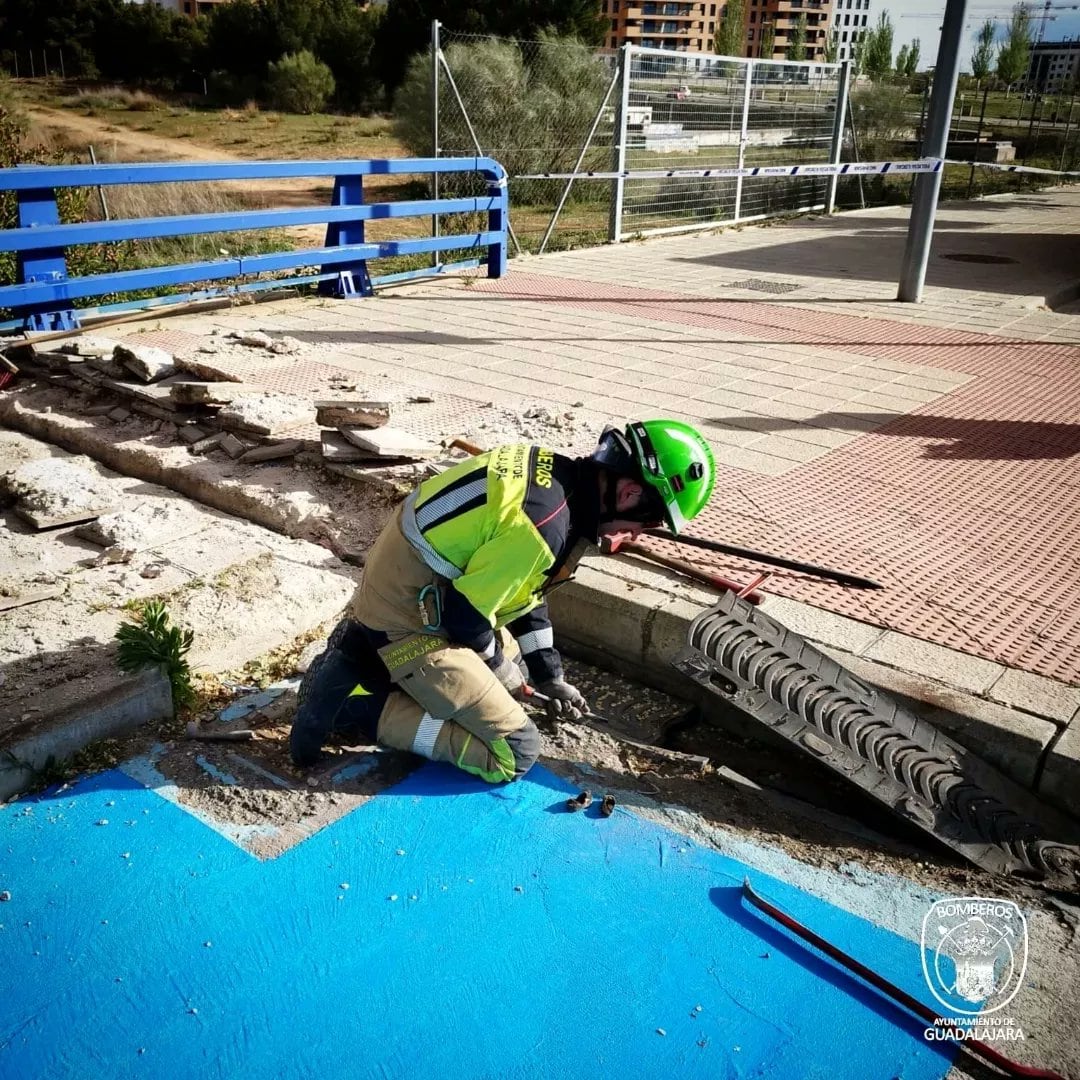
673,460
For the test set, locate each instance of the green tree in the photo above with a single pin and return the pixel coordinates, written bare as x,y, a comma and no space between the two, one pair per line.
796,49
902,60
879,48
858,53
832,47
912,64
1014,55
299,83
767,44
730,39
406,26
983,57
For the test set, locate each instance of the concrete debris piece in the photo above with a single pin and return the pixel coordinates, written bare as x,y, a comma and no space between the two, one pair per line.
364,414
335,447
211,393
147,525
99,410
272,451
57,361
110,556
87,345
88,374
254,339
393,442
205,369
191,433
119,413
420,399
203,446
152,570
52,492
107,365
286,346
146,393
233,446
266,414
31,596
146,362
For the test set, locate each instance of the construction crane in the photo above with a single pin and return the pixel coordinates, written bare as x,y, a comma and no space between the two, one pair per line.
1003,13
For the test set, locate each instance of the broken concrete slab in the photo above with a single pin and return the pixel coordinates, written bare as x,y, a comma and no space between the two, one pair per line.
389,442
266,414
119,413
30,596
212,393
53,492
335,447
272,452
204,368
146,362
254,339
204,446
152,394
342,414
192,433
107,365
233,446
87,345
144,525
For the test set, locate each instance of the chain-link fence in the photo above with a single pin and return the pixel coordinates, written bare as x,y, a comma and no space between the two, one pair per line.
552,106
536,107
700,111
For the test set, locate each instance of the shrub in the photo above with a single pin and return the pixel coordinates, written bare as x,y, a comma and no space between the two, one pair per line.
299,83
152,641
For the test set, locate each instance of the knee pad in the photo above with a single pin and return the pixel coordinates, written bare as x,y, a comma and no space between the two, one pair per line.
525,744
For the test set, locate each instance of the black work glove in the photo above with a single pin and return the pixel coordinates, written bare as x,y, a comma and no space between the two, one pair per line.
567,702
509,674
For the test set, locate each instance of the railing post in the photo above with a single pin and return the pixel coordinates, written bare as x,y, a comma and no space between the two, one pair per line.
744,129
436,52
498,221
618,162
836,151
37,207
352,278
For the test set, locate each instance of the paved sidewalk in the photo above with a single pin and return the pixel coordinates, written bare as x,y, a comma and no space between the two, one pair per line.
932,447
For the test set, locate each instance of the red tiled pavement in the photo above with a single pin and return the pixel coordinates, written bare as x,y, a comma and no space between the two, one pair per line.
966,509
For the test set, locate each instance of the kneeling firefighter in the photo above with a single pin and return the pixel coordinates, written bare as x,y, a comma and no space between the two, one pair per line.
452,602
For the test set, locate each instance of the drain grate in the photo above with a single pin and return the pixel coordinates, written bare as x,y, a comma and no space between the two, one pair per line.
773,675
761,285
975,257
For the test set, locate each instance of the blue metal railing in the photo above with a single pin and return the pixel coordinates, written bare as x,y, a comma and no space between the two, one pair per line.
44,296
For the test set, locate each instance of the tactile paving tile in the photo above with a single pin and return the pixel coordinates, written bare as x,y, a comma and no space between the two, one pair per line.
967,508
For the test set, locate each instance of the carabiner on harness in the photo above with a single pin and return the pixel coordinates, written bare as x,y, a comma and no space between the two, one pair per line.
421,603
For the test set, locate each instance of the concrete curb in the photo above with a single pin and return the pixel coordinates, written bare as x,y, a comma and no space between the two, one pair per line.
634,618
114,710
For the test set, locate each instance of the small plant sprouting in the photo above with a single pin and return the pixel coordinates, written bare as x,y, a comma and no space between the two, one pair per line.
149,640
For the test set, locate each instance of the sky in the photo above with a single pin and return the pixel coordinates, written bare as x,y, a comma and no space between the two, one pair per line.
922,18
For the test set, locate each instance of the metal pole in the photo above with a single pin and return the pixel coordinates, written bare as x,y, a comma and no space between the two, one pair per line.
924,204
978,138
618,163
436,53
45,62
472,134
577,164
1065,137
744,129
63,73
100,190
837,152
855,151
16,55
31,54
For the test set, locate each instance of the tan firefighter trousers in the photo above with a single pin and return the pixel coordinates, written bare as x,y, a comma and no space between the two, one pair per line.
449,705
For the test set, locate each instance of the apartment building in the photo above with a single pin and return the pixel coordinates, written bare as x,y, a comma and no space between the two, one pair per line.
1055,66
691,27
851,19
682,27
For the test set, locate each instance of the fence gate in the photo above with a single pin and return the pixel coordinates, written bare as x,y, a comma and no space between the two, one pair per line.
552,106
702,111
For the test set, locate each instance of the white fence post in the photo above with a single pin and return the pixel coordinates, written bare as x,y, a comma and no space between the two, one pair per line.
744,128
837,151
618,163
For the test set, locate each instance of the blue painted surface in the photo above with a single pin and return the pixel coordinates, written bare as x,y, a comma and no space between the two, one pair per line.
44,296
524,942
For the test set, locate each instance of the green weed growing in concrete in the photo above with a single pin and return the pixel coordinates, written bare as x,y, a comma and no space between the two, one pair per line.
150,640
